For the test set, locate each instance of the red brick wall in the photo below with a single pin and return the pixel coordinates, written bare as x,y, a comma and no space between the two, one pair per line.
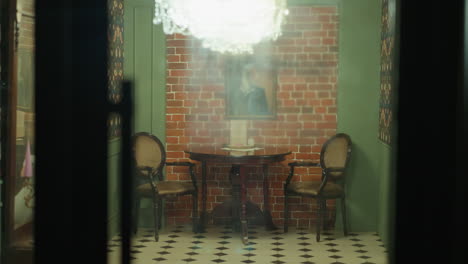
306,110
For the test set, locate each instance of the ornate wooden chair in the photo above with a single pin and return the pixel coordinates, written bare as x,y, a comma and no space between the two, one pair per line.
150,159
334,158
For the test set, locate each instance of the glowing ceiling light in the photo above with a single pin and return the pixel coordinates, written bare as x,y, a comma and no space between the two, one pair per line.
232,26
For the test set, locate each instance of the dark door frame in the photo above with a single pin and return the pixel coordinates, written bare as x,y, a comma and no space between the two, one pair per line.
430,184
71,131
8,84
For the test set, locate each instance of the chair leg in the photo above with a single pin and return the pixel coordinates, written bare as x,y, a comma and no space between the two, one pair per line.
319,218
136,213
156,217
286,213
195,213
324,215
160,213
343,214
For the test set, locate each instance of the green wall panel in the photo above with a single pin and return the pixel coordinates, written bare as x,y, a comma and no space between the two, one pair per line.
113,162
358,102
145,65
387,193
142,67
158,121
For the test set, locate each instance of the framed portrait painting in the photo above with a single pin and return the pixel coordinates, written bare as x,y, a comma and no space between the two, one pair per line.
250,88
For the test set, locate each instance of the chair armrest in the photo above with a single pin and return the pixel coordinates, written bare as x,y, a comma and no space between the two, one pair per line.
140,169
298,164
149,177
304,164
325,173
324,182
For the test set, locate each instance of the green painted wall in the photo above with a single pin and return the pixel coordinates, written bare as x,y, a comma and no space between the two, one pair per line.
370,182
387,193
145,65
358,105
113,162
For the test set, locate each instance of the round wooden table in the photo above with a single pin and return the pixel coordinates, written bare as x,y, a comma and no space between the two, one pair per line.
239,160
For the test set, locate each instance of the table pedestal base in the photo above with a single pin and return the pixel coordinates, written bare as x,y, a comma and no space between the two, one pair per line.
238,176
228,213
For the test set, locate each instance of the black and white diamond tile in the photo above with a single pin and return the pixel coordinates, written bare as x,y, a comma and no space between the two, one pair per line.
220,244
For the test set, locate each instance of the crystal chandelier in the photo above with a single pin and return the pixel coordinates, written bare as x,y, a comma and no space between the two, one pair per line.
231,26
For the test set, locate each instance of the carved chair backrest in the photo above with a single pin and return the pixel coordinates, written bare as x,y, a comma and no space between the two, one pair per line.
335,154
149,152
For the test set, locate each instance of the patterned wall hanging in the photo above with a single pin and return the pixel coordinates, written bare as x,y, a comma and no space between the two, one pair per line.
387,71
115,63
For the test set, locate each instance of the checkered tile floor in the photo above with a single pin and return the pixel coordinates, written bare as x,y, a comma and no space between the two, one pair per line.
221,245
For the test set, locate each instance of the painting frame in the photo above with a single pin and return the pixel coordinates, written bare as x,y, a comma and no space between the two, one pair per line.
251,86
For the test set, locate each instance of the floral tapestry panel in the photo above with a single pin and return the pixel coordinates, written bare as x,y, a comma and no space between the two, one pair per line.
387,71
115,63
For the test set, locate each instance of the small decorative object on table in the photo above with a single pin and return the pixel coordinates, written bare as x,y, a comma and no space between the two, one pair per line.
240,150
